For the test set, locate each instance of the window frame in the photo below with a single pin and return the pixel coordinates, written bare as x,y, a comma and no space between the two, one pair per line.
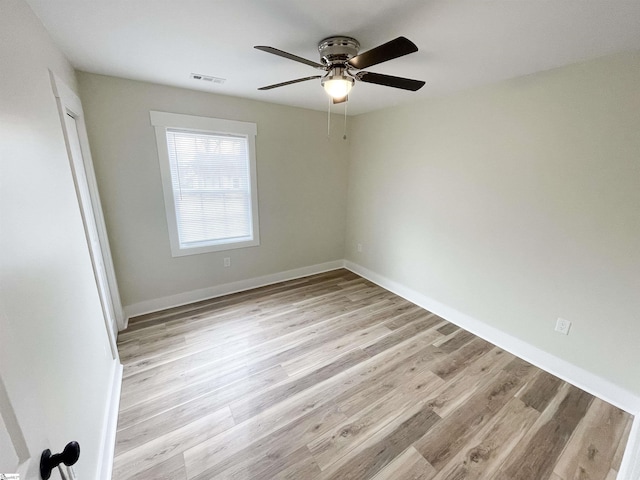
162,121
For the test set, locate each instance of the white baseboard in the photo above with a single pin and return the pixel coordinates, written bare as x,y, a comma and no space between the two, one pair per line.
105,464
185,298
630,467
568,372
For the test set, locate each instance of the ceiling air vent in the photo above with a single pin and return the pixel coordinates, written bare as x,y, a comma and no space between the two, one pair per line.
208,78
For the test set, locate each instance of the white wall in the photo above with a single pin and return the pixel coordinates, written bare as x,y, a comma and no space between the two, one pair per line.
515,204
301,188
54,353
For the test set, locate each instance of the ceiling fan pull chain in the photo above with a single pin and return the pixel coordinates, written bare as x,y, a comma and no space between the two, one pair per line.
329,120
344,137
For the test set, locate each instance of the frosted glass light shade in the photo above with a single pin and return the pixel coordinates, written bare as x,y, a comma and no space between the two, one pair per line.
338,87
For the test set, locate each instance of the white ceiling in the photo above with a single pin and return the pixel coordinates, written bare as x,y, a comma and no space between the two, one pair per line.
462,43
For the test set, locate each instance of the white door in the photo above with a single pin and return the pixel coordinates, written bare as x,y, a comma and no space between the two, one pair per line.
15,459
14,453
74,129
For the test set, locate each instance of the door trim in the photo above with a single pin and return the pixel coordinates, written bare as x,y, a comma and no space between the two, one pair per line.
69,104
107,450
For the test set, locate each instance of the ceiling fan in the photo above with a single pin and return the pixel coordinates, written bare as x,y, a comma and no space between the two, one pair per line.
339,56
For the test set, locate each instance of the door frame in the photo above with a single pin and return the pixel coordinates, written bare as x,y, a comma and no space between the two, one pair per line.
69,104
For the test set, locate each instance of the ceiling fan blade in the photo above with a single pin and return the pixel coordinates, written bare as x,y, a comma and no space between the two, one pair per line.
290,82
290,56
340,99
390,81
387,51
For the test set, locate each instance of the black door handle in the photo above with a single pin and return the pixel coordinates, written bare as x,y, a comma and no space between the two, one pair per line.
48,462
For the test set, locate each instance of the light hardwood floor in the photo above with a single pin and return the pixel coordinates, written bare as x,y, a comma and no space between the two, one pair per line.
332,377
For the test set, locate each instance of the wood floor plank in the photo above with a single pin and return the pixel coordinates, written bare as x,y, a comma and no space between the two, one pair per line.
612,475
250,298
243,351
241,297
258,455
457,361
235,321
409,465
170,469
332,377
265,356
384,445
448,329
334,349
590,451
455,392
221,333
393,374
137,424
617,457
452,434
457,341
401,334
245,408
306,468
162,447
268,325
207,320
326,449
537,455
486,451
412,314
297,465
150,347
540,392
347,391
212,453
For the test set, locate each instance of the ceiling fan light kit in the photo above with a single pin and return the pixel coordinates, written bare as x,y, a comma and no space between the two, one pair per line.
339,56
337,83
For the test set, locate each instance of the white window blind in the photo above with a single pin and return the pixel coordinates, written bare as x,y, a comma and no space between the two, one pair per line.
208,169
211,187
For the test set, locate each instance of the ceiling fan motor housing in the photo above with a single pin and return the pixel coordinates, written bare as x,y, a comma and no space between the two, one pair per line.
338,50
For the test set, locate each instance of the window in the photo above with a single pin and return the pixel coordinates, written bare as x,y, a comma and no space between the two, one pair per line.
208,168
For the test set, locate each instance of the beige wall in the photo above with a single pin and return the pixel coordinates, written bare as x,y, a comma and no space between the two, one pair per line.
301,187
516,204
55,359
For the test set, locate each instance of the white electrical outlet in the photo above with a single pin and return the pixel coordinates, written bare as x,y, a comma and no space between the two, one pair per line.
359,247
563,326
227,261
